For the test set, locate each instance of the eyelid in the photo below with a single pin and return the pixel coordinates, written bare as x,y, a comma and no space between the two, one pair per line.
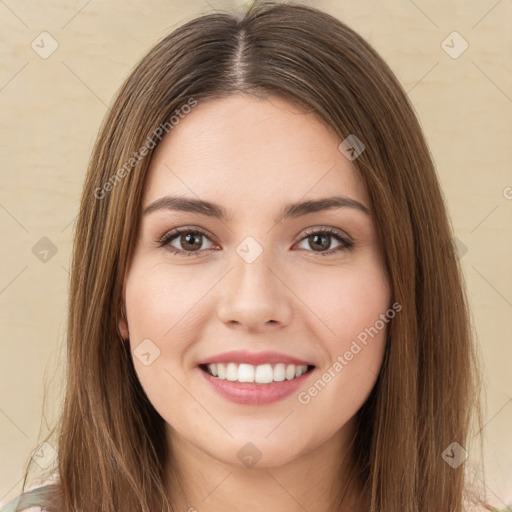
344,238
165,240
325,229
183,229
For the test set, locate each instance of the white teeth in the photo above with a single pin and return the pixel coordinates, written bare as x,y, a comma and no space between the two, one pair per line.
279,372
300,370
290,372
261,374
231,372
264,374
246,373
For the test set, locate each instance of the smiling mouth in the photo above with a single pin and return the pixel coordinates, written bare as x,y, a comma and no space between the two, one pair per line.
260,374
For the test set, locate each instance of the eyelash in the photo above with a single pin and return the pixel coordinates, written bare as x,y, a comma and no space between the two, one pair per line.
170,236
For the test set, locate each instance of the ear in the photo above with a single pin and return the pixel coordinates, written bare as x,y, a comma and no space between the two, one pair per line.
122,323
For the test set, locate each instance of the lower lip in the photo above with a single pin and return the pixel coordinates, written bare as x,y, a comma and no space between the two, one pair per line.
255,394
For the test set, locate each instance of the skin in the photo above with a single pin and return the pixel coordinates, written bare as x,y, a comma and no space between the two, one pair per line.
253,156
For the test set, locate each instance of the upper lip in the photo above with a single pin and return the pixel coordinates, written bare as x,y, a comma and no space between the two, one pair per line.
254,358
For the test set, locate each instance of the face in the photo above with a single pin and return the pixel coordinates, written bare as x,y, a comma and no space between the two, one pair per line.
270,290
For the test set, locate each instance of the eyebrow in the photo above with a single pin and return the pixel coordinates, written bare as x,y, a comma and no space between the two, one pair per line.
186,204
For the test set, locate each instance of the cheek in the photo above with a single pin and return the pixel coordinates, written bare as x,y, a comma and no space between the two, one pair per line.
354,306
159,307
161,299
347,300
165,310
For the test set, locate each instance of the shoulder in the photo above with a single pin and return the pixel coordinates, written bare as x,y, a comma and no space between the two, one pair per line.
29,501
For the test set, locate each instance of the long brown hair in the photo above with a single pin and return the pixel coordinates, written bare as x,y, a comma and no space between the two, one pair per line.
112,452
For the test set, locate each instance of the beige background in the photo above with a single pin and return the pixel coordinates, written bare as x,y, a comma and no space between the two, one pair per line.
51,110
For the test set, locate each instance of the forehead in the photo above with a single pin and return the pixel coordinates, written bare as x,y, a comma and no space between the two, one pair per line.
251,149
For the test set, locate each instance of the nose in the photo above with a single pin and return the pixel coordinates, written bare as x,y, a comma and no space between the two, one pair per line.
255,296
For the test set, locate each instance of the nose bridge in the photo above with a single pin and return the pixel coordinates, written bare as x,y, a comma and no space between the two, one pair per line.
252,293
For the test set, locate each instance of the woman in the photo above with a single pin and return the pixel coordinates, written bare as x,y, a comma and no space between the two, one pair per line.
266,310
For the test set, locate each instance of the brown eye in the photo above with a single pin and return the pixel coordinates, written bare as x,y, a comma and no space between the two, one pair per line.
190,241
184,242
321,241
